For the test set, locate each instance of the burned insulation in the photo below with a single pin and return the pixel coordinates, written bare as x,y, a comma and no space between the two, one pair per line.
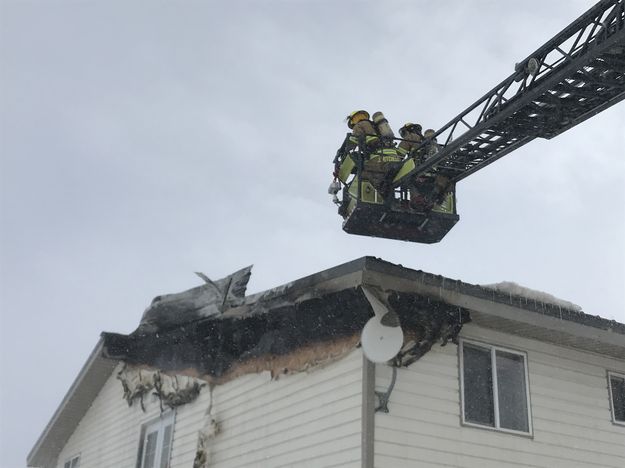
171,390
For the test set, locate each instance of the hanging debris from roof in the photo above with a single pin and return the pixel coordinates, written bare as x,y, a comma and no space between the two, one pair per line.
176,390
429,321
203,453
171,390
137,383
205,435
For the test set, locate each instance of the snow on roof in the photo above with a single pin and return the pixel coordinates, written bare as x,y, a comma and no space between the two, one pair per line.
514,289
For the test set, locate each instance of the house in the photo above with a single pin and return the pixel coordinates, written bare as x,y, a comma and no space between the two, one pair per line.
487,376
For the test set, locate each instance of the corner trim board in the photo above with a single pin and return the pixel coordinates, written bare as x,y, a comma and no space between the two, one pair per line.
368,412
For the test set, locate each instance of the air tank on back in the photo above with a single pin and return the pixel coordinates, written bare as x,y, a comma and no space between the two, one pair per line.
382,126
364,127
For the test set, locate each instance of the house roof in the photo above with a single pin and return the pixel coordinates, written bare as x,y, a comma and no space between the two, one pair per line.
327,307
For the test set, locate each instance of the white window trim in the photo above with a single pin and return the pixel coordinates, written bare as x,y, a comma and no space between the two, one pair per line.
493,349
162,421
71,459
621,376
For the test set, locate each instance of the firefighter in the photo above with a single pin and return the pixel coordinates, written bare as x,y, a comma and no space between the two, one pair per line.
424,189
412,137
364,137
432,147
375,140
385,161
363,130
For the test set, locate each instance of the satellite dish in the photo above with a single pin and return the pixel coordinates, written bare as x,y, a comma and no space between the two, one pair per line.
379,342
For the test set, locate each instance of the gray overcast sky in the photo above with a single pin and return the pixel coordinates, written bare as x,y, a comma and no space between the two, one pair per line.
143,141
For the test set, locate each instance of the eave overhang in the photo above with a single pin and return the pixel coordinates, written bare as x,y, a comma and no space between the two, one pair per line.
75,404
516,315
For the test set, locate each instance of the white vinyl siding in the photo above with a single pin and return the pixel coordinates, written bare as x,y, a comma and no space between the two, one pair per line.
570,410
109,433
310,419
306,419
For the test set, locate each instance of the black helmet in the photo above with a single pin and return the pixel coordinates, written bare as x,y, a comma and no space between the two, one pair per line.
410,128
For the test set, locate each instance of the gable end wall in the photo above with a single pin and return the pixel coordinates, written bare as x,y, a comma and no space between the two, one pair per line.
307,419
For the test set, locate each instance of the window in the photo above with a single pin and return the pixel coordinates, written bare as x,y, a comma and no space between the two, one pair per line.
73,462
494,388
617,396
156,438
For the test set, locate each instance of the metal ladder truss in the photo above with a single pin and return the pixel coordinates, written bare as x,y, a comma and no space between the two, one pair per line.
575,75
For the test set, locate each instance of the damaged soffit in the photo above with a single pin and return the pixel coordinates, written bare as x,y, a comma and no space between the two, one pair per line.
320,317
287,329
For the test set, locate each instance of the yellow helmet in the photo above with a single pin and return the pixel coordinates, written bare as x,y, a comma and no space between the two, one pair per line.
356,116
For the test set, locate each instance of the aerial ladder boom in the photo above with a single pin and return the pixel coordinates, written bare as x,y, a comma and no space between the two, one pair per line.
575,75
572,77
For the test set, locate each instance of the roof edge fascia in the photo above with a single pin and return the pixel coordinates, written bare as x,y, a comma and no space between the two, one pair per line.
474,298
35,458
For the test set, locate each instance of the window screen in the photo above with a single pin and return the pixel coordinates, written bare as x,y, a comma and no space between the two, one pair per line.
617,391
150,449
166,446
511,391
478,386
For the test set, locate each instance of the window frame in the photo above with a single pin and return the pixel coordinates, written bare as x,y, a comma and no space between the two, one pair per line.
620,375
71,460
161,422
493,349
